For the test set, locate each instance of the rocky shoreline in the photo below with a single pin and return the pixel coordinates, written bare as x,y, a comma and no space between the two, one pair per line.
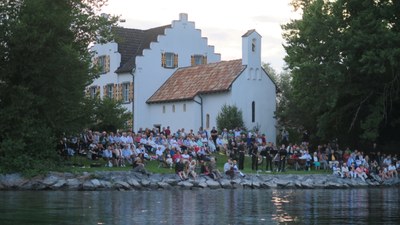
127,180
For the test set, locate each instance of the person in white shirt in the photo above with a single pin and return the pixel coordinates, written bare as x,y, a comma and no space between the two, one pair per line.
124,138
345,173
392,172
160,153
185,156
126,155
306,155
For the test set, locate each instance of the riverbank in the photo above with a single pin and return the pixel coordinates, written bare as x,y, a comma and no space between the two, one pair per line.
128,180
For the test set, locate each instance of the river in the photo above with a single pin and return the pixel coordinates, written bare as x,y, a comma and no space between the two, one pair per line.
268,206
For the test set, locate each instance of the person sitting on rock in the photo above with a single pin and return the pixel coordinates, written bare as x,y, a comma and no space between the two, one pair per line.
361,172
228,169
190,168
392,172
214,172
179,169
138,165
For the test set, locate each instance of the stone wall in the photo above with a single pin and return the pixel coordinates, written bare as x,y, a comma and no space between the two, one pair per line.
123,180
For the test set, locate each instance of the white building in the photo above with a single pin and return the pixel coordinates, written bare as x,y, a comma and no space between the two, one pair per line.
174,78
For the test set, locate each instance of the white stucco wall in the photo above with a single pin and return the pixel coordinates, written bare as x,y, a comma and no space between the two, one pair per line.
182,39
262,92
188,119
111,49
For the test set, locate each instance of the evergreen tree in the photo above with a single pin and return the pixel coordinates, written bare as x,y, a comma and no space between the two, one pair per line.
230,117
109,115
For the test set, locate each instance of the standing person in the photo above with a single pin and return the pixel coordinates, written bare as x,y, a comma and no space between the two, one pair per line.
305,138
241,150
254,156
282,158
269,155
214,135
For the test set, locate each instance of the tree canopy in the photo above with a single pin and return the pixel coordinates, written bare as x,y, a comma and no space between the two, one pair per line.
230,117
45,64
344,58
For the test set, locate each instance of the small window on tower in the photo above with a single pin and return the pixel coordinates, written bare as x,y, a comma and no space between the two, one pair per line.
253,45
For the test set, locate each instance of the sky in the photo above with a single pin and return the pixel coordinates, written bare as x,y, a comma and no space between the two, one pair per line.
222,22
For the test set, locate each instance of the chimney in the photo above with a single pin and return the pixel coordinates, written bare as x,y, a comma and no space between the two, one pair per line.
183,17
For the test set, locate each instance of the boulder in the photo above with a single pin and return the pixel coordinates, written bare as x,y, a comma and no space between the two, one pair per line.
213,184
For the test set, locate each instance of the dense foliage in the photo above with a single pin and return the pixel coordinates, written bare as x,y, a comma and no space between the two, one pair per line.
109,115
344,59
230,117
45,65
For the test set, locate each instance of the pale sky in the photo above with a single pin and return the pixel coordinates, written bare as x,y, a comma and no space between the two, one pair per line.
222,22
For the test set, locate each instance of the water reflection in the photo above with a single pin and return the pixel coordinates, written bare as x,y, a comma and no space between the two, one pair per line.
279,202
355,206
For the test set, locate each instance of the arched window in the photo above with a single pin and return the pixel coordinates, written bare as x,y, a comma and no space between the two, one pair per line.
251,71
253,112
184,107
173,108
258,74
163,109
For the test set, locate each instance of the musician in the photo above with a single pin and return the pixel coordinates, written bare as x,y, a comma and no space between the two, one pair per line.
254,156
269,155
282,155
241,149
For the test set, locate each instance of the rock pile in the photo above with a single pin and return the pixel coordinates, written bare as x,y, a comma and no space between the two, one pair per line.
123,180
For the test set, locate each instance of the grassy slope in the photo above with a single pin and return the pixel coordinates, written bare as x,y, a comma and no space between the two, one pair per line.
82,164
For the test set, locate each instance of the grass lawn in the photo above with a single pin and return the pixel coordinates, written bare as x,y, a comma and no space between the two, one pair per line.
78,164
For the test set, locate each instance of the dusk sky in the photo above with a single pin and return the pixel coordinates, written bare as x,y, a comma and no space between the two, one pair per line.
223,22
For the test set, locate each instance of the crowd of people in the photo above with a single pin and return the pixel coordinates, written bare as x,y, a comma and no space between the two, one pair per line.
192,152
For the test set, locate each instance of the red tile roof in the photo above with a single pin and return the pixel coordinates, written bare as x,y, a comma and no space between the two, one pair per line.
188,82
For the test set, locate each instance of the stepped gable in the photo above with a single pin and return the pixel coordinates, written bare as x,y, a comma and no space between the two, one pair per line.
132,42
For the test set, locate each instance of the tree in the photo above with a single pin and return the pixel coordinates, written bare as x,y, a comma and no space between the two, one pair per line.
45,66
345,77
109,115
229,117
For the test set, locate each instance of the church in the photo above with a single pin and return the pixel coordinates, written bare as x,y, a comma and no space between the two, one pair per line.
170,76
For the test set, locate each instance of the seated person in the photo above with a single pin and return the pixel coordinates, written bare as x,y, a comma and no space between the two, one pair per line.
345,171
228,169
179,169
361,172
392,171
190,168
138,165
107,156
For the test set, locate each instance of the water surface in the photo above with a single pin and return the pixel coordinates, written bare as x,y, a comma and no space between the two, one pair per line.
345,206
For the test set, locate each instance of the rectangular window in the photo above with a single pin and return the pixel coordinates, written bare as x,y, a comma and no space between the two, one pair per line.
163,109
173,108
198,60
103,63
110,90
125,92
93,92
169,60
184,107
